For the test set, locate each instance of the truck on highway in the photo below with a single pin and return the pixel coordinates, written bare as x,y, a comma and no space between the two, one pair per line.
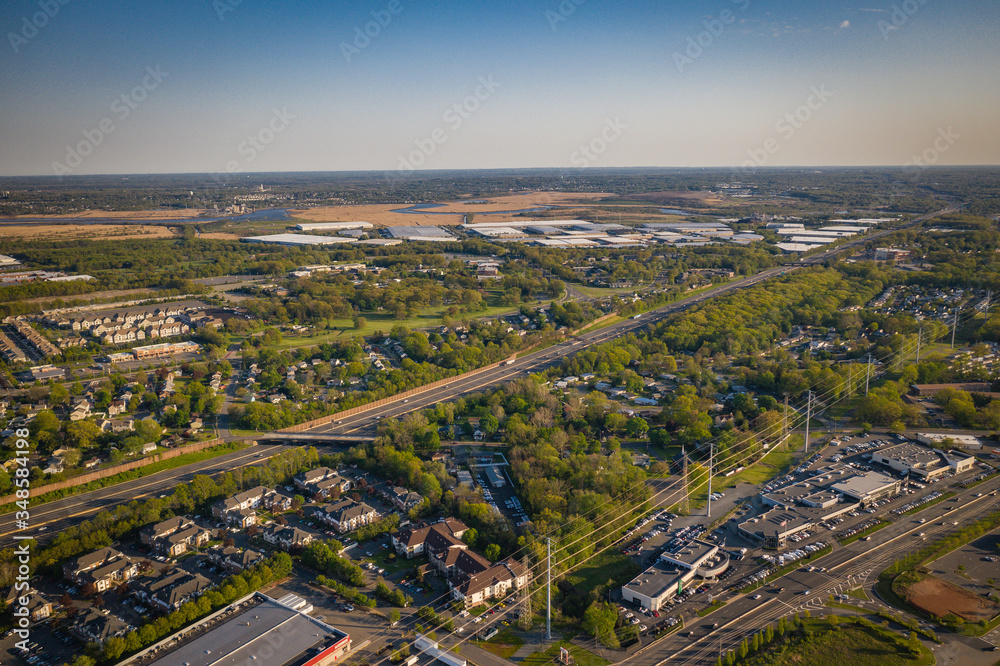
507,362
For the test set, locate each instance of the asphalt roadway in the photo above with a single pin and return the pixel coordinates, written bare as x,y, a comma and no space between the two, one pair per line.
48,519
57,515
855,565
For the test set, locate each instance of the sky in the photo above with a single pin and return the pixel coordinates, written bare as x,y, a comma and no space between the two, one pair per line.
241,86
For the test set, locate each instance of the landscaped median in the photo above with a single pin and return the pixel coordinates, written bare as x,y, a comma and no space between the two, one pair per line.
865,532
791,566
927,505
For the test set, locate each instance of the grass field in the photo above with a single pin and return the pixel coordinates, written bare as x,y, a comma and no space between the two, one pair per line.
772,464
601,292
503,645
846,645
610,565
430,317
580,656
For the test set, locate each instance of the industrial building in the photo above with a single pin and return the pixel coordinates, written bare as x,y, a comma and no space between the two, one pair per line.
923,463
970,442
673,571
277,632
293,240
797,506
333,226
414,233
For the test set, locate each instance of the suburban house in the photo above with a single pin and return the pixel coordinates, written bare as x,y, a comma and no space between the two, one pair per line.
403,499
286,537
346,515
493,583
92,625
39,607
415,540
457,561
168,592
105,568
321,482
233,559
240,509
175,536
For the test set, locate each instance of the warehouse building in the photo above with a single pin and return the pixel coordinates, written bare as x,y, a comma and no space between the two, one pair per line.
294,240
673,571
268,631
923,463
333,226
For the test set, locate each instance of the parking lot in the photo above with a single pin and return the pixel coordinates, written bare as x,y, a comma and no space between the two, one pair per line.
980,562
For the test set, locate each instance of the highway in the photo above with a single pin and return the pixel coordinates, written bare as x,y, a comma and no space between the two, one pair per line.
533,362
60,514
848,567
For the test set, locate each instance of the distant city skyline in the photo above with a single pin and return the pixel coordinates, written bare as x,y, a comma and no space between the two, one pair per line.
394,85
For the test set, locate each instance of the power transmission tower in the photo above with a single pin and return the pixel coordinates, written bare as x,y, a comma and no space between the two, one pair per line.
548,591
684,505
920,334
954,327
784,422
809,404
711,456
869,373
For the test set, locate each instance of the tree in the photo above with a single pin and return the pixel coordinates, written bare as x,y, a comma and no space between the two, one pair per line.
637,427
492,552
393,617
360,323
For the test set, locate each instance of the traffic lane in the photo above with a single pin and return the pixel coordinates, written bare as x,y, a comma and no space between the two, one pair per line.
61,513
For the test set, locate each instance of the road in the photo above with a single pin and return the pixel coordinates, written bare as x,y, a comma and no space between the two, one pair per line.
60,514
848,567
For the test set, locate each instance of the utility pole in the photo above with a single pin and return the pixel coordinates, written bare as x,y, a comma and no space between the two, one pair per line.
548,591
809,404
784,422
850,382
954,326
711,456
869,373
684,505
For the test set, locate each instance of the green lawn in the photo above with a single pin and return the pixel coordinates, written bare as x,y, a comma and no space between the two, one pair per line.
849,645
611,321
430,317
858,593
936,500
610,565
865,532
503,645
600,292
774,463
550,655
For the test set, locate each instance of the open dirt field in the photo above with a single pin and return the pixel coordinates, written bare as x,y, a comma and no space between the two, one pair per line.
83,231
381,215
123,214
940,598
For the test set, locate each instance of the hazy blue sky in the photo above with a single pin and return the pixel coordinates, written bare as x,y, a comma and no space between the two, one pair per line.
559,83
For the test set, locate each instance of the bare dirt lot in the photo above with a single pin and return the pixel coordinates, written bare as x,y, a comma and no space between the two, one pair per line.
381,215
940,598
83,231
